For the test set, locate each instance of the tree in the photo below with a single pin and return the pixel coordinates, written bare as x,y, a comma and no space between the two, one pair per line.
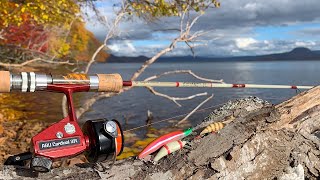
41,12
160,8
42,26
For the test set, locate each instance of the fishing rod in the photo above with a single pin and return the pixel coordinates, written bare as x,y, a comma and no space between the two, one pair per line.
31,82
209,85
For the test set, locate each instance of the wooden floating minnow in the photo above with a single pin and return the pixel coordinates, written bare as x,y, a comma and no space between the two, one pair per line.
162,140
169,148
213,128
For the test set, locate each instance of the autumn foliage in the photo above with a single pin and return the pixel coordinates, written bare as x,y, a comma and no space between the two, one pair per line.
41,12
160,8
27,36
53,27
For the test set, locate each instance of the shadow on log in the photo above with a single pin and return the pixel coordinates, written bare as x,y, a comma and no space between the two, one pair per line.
262,142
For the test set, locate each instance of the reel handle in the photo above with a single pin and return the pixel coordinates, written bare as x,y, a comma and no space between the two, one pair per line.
31,81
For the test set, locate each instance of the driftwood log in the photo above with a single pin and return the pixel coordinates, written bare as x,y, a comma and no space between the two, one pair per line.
269,142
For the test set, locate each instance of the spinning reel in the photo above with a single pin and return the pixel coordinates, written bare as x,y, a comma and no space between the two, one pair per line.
100,140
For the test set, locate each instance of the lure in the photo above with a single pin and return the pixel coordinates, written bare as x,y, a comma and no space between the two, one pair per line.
213,128
162,140
169,148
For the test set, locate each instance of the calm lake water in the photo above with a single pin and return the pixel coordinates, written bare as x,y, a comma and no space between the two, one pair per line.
131,107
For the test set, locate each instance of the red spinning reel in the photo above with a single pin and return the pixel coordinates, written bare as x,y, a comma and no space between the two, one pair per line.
99,139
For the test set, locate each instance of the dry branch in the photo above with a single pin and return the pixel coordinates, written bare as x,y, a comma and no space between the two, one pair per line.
183,72
89,102
194,110
111,33
175,99
34,60
185,35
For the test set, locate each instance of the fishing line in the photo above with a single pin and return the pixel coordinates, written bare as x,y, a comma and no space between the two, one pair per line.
203,109
167,119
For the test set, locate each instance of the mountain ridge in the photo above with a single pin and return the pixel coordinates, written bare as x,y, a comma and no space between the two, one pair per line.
299,53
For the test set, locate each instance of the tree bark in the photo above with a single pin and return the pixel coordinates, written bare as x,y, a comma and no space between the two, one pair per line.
262,142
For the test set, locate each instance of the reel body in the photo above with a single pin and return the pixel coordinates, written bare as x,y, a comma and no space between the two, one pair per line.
99,139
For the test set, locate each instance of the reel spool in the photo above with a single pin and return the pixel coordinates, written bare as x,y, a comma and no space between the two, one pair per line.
105,140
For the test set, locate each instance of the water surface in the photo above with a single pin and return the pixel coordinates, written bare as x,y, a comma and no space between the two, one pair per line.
131,107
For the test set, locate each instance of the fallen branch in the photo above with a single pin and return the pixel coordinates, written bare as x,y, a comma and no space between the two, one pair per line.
183,72
89,102
34,60
194,110
175,99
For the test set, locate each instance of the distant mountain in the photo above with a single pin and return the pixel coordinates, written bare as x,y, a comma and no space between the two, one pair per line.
318,52
124,59
299,53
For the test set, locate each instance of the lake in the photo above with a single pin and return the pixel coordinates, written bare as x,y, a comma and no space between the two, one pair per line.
131,107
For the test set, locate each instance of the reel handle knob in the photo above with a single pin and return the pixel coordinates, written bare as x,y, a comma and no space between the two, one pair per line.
111,128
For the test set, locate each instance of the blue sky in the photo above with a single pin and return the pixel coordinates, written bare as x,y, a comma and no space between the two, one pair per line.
246,27
285,32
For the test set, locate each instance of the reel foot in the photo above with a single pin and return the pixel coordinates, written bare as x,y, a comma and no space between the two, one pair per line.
19,159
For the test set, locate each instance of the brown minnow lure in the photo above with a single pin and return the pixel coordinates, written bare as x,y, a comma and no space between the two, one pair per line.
169,148
214,127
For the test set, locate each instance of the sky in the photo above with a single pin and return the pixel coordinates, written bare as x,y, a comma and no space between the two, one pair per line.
237,28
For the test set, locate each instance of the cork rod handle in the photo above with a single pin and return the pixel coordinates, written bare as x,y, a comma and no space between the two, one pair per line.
4,81
110,82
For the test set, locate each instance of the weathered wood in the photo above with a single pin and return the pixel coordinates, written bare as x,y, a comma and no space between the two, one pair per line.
297,108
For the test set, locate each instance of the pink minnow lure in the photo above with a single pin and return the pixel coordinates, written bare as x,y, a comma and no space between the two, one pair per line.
162,140
169,148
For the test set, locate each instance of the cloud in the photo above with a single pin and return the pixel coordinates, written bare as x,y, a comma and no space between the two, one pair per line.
243,43
233,28
248,13
308,32
305,43
123,47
